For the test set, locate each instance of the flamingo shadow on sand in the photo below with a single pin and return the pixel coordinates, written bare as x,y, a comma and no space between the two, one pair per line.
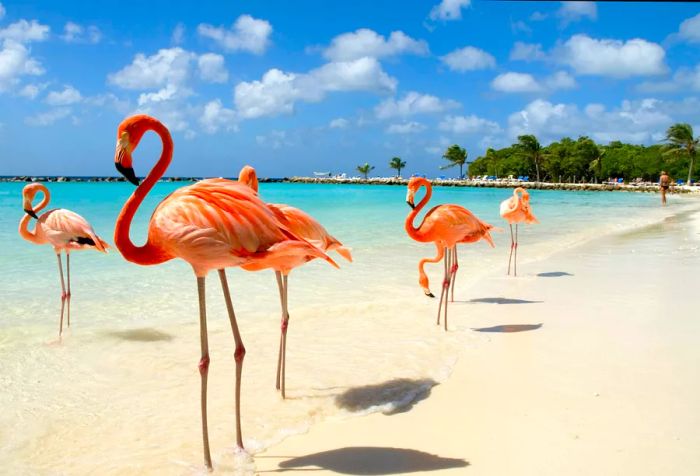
396,396
145,334
500,300
553,274
373,460
509,328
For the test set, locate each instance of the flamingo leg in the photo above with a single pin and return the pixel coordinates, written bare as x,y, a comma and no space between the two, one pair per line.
63,293
68,291
512,246
444,280
446,284
204,367
239,354
285,325
280,286
515,258
455,267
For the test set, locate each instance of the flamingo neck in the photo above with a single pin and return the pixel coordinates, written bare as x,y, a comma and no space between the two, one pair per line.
412,231
24,231
150,252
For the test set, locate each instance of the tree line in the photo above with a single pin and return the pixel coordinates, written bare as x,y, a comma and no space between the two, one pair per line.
569,160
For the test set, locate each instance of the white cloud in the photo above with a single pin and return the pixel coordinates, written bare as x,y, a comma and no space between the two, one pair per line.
571,11
122,106
448,10
168,66
405,128
469,125
520,26
615,58
246,34
74,33
31,91
560,80
689,29
15,62
276,139
683,79
277,91
411,104
178,35
212,68
339,123
68,96
47,118
24,31
468,58
215,115
2,11
633,121
365,42
515,83
527,52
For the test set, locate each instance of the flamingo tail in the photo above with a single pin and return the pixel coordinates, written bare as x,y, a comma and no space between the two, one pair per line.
344,251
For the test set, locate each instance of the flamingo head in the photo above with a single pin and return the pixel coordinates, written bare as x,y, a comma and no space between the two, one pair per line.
247,176
413,185
28,194
129,134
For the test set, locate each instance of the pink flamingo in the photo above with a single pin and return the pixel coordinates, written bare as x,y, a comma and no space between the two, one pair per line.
305,226
63,229
446,226
516,209
213,224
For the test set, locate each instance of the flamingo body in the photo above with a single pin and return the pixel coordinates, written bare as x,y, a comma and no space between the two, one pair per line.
515,210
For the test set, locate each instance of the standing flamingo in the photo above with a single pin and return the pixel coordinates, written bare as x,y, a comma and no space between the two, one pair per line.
305,226
444,225
516,209
213,224
63,229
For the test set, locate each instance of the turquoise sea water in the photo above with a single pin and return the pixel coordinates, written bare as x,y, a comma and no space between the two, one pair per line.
128,364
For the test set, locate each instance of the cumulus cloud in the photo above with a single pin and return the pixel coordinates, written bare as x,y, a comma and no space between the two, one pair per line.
411,104
469,125
31,91
24,31
560,80
448,10
571,12
633,121
511,82
178,35
405,128
277,91
615,58
683,79
167,66
339,123
468,58
365,42
246,34
47,118
68,96
15,62
215,116
527,52
74,33
212,68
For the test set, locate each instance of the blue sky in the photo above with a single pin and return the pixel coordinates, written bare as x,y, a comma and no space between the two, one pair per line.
297,87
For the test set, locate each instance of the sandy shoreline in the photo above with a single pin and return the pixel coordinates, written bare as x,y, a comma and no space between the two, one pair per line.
590,368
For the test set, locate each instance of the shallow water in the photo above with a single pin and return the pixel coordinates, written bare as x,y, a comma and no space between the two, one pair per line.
119,394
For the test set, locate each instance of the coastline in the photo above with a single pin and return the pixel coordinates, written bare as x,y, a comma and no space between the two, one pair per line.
605,386
502,183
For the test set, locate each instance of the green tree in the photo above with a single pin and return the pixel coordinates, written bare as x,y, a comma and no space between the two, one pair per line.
529,147
398,164
596,165
680,141
365,169
456,155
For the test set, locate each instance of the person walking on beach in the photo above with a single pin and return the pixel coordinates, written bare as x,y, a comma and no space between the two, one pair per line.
664,183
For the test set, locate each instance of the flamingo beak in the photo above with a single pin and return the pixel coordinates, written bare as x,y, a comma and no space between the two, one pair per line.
410,204
127,172
31,213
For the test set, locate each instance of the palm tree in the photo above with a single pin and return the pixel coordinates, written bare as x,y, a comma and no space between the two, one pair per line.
530,147
680,140
596,165
365,169
398,164
456,155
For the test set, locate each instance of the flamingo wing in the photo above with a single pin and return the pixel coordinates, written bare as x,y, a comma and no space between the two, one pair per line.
454,224
65,228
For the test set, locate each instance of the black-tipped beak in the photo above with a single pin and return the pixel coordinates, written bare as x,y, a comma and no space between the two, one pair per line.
431,295
31,213
127,172
410,204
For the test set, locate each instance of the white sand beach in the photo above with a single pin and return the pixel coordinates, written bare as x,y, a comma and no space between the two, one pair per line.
590,367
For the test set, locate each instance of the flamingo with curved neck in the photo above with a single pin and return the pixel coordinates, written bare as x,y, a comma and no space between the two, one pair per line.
514,210
446,226
305,226
212,224
63,229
